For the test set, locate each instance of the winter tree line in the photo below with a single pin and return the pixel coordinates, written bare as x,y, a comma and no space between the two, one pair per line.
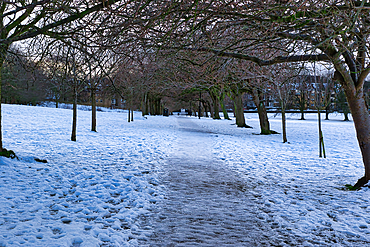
53,79
158,53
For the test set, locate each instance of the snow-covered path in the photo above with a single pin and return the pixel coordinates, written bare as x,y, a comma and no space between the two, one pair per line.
207,204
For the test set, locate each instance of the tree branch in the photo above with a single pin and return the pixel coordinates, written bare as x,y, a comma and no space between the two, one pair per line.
261,62
29,6
37,31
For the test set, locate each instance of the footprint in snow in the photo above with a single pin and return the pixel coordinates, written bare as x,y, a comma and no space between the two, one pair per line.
66,220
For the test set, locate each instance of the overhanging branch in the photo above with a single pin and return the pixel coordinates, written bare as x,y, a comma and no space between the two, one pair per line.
35,31
261,62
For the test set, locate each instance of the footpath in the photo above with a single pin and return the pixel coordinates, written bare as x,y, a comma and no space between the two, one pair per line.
207,204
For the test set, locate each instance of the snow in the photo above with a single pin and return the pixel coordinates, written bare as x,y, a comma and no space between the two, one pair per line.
91,191
99,190
297,191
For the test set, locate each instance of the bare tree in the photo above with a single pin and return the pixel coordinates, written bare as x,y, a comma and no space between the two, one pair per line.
79,20
303,88
323,89
282,79
22,20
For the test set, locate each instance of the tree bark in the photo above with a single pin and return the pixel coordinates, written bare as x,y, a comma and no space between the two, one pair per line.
211,111
199,111
262,113
151,105
239,111
146,100
1,120
216,104
132,108
3,52
158,106
328,104
207,108
283,122
74,118
302,104
222,101
346,116
93,110
194,109
144,109
327,112
200,105
321,137
361,119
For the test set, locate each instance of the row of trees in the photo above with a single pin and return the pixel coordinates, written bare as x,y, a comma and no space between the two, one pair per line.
222,47
284,32
52,79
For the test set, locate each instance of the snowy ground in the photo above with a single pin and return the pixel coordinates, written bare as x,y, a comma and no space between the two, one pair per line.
299,192
90,192
94,192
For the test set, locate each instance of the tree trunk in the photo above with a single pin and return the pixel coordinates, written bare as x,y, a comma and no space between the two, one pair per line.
147,108
321,137
327,112
155,106
211,111
206,107
200,105
234,114
302,116
283,122
346,112
283,118
361,119
144,109
147,105
132,108
302,104
194,108
158,106
128,115
239,111
151,104
216,105
1,120
222,101
199,111
93,110
264,121
74,121
346,116
262,113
